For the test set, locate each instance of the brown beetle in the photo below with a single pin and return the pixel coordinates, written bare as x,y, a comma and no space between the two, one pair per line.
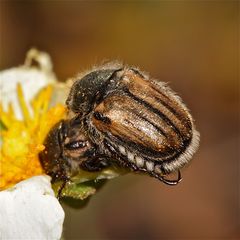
121,117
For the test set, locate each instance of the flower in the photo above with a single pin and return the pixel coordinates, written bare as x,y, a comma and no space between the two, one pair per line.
28,209
23,139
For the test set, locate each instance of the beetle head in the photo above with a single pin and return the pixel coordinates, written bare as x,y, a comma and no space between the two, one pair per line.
66,148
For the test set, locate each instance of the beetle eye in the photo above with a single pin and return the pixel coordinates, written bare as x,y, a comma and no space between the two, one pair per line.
99,116
75,145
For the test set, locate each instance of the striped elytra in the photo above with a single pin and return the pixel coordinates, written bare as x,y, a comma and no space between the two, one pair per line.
127,119
128,110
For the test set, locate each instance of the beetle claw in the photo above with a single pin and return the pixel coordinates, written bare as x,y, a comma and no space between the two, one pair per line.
171,182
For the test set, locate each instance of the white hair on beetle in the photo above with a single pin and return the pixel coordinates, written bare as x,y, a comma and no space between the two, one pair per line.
184,158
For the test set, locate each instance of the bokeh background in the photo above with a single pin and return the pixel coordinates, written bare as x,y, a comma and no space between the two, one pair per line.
192,45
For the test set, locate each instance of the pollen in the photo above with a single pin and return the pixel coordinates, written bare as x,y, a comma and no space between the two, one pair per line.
22,140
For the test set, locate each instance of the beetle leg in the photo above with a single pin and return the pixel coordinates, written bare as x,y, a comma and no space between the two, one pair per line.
64,180
167,181
95,164
59,195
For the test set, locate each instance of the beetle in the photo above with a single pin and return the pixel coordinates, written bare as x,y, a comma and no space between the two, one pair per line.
121,116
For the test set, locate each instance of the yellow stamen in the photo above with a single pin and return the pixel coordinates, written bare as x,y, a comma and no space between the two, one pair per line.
23,105
23,140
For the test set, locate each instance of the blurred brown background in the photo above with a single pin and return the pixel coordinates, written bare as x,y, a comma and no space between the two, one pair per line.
192,45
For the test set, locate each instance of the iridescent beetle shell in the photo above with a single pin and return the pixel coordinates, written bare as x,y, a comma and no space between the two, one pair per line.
131,120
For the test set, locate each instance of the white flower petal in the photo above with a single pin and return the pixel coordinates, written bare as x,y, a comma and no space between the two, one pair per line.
30,210
32,79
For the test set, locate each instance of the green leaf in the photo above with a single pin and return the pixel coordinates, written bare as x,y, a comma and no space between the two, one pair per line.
85,184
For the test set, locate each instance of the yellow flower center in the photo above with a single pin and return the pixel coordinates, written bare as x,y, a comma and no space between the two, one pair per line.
22,140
